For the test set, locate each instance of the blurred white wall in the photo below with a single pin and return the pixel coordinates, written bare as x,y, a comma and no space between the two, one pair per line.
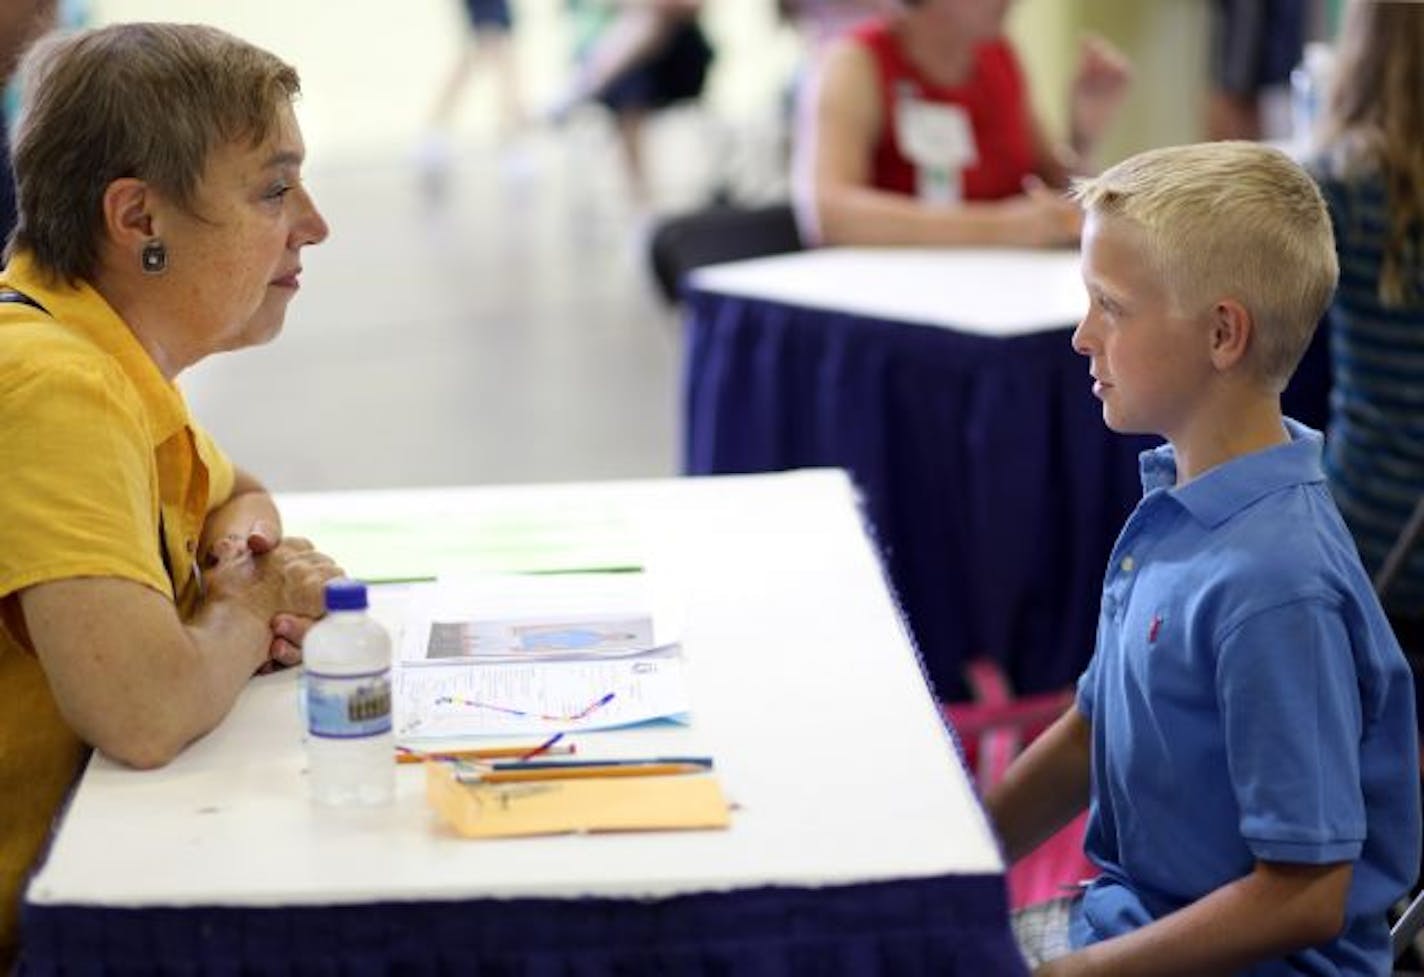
1167,41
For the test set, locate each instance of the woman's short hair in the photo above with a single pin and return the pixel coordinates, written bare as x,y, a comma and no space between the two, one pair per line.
1231,219
149,101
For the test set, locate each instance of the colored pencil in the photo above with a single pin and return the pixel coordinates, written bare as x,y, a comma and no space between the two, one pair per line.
518,772
406,755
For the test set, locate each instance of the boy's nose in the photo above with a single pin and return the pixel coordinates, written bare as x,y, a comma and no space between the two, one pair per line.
1080,338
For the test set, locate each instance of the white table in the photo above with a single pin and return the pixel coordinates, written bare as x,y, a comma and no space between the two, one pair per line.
805,690
998,292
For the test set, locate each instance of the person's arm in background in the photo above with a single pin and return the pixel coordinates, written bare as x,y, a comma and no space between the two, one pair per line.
1099,87
839,123
137,682
1045,787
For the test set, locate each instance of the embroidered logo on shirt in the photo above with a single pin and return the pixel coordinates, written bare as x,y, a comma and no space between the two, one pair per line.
1154,629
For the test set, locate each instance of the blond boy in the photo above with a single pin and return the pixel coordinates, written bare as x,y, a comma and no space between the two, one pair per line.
1245,730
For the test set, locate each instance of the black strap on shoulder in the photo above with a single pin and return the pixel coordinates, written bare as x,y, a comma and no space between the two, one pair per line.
9,296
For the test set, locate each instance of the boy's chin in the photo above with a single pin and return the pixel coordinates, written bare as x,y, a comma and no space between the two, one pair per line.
1124,425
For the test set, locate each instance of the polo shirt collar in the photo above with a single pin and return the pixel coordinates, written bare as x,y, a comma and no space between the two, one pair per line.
83,310
1225,490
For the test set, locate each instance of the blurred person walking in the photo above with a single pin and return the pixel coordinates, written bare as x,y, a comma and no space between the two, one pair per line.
636,57
488,48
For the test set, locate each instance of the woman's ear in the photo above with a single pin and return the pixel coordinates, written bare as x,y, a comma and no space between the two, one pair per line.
1232,329
127,216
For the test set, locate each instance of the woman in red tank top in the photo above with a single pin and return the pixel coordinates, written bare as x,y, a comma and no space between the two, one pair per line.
918,130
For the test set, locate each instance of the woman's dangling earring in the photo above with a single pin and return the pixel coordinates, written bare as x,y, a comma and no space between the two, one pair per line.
154,257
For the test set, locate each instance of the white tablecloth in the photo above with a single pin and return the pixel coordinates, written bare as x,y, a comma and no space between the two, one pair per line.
988,292
805,690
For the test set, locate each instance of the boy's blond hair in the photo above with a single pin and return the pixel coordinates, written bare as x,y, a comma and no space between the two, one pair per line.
1231,219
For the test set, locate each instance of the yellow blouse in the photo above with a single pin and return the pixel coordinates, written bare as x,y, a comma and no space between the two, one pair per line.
105,473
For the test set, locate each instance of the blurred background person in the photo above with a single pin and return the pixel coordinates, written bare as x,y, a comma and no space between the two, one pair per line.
817,23
21,21
488,47
918,130
1254,46
1371,170
636,57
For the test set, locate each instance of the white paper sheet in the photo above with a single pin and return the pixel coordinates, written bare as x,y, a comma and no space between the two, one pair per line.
539,698
501,654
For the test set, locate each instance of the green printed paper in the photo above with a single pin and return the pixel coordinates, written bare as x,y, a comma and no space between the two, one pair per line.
426,545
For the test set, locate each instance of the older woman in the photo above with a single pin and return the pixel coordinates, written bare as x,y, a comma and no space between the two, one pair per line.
143,578
918,130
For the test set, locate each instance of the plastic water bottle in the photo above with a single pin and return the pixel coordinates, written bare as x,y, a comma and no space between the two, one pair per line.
347,689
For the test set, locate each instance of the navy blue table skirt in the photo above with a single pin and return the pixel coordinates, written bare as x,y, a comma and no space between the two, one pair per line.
937,926
993,485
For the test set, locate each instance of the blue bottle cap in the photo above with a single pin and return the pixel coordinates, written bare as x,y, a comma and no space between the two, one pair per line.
345,595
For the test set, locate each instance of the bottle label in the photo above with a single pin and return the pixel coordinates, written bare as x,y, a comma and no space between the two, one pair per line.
348,706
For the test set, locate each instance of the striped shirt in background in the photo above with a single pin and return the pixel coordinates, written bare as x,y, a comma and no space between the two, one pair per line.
1374,457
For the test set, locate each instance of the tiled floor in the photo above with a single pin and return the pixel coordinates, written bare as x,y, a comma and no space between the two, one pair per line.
503,331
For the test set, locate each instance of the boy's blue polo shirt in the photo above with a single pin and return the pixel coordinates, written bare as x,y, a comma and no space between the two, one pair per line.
1248,702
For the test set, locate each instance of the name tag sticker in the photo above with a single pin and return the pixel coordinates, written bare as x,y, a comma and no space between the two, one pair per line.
939,140
933,135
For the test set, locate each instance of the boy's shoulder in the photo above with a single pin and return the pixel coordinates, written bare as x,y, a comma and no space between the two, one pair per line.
1285,557
1266,526
1287,554
1289,537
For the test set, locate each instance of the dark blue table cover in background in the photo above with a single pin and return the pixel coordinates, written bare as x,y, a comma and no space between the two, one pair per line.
953,926
994,488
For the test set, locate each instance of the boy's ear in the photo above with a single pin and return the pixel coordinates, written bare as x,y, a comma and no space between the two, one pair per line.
1231,332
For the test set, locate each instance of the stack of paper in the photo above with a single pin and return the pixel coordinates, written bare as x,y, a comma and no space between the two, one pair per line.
500,655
